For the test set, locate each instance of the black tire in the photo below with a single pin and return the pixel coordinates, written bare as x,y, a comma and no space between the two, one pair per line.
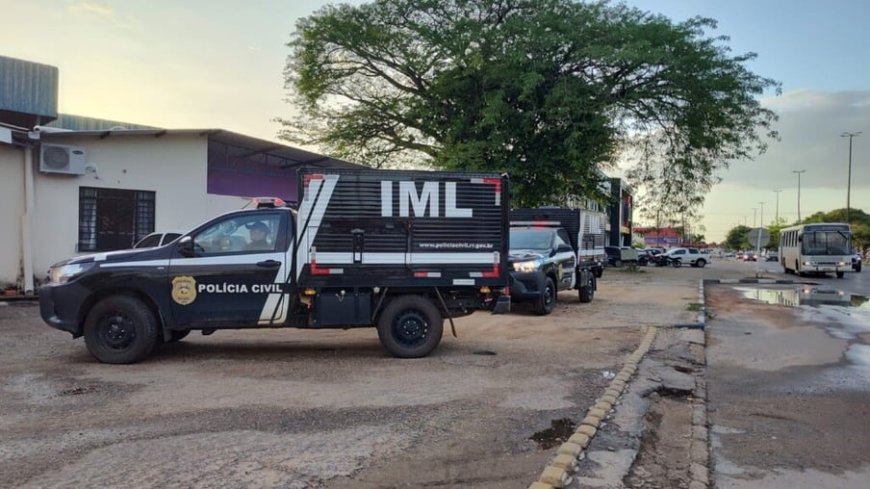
410,327
841,274
177,335
120,329
677,263
701,263
599,272
587,292
797,269
617,263
547,302
857,267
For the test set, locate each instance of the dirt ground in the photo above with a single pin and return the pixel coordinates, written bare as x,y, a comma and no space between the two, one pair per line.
294,408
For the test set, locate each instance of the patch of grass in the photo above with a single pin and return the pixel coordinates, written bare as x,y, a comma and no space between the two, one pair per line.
696,307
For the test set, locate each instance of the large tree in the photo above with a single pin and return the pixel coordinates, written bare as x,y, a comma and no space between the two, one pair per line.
550,91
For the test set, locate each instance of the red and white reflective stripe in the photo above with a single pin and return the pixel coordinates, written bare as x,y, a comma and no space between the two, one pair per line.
496,182
494,273
427,274
315,270
308,177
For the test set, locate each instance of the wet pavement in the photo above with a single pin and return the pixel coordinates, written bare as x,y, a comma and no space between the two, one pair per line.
789,384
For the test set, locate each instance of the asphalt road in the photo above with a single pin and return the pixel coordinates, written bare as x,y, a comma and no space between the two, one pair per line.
789,382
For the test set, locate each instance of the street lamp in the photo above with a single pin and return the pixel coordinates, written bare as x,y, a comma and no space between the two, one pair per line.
777,191
799,191
849,135
762,213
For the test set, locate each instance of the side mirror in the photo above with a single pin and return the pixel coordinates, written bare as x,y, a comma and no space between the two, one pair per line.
185,246
564,249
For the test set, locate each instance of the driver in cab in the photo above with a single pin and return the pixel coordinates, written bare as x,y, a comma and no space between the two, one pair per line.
258,242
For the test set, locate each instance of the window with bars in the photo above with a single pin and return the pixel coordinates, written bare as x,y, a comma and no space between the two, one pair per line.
113,219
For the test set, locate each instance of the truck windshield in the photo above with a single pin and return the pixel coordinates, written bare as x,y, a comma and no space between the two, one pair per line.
531,239
826,243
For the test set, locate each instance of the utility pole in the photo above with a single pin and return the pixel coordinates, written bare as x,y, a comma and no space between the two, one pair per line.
799,191
849,135
777,191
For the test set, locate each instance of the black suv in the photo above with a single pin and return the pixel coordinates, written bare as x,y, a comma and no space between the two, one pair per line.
544,263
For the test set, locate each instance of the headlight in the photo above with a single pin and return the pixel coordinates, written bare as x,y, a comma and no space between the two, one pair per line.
527,266
807,263
65,273
842,263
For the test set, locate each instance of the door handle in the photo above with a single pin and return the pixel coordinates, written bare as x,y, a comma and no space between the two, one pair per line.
269,264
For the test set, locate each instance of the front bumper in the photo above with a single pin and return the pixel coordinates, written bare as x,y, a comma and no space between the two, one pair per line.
825,268
527,286
59,306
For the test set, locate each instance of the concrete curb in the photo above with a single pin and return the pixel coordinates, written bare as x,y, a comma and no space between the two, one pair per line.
702,312
558,473
699,470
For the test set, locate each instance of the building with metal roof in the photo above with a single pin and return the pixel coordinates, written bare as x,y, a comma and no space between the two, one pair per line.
72,184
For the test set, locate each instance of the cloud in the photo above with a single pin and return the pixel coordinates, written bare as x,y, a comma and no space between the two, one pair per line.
91,8
810,126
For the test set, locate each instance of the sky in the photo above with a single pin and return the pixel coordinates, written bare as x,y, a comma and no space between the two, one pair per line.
219,63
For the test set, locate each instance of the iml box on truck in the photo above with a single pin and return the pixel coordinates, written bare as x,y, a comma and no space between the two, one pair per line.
399,251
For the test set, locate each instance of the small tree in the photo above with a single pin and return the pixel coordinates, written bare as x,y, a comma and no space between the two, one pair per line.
738,238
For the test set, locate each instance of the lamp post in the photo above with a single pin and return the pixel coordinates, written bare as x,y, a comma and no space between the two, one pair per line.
762,213
849,135
799,191
777,191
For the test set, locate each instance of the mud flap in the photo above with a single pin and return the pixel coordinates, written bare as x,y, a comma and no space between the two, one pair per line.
502,305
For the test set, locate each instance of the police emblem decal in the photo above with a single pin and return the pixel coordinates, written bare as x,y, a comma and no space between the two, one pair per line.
184,290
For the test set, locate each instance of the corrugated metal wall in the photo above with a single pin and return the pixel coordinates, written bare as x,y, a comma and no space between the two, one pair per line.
29,90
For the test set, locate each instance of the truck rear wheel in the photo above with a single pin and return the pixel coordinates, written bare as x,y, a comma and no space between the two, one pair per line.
700,263
410,327
547,301
120,329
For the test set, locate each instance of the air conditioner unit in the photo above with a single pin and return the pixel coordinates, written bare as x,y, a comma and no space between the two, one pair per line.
58,158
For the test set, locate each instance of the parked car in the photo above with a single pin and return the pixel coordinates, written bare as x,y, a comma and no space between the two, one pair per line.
691,256
772,256
154,240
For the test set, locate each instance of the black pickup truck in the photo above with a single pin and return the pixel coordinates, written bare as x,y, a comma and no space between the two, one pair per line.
398,251
544,263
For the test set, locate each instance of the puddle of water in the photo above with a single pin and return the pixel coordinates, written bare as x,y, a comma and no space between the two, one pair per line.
805,296
558,432
859,354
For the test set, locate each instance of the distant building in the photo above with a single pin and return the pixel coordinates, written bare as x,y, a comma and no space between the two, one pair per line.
620,213
667,237
72,184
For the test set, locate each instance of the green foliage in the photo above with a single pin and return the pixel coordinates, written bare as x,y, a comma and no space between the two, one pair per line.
549,91
737,238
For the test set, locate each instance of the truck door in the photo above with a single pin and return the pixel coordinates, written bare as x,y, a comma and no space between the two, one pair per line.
231,272
567,261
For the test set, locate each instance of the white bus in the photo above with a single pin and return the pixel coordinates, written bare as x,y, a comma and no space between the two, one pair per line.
816,248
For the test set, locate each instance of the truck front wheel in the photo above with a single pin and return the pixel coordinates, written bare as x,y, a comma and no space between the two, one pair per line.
410,327
587,291
547,301
120,329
